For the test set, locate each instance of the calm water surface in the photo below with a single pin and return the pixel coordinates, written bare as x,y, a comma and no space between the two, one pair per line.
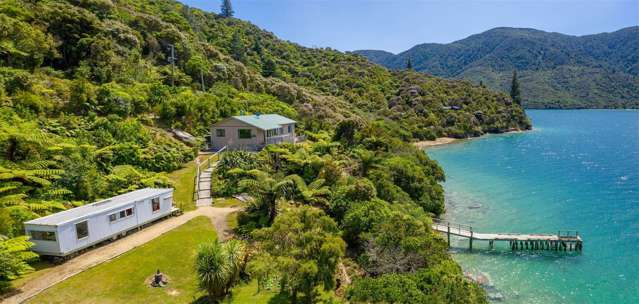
577,170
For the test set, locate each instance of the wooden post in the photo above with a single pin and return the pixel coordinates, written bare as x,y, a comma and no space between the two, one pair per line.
471,239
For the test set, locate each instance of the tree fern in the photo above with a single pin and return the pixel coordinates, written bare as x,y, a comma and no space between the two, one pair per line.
12,200
14,258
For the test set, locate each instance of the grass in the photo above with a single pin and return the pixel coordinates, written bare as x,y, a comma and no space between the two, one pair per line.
122,280
231,220
183,181
247,293
228,202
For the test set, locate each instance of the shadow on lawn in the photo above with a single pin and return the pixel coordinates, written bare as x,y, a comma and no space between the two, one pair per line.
280,298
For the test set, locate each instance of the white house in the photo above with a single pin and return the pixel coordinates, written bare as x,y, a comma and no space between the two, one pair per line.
252,132
66,232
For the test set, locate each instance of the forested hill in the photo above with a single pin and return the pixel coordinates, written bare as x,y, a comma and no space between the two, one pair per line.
88,92
555,70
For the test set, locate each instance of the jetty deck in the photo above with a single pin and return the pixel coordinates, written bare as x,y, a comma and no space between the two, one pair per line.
563,240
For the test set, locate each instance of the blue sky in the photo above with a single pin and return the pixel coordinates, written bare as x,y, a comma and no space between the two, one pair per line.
396,25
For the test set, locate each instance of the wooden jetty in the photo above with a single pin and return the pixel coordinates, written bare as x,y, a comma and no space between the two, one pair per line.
564,240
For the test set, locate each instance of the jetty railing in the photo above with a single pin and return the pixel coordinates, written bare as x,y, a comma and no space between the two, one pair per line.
564,240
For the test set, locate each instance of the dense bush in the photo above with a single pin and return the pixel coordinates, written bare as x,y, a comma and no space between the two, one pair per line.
86,90
387,234
436,284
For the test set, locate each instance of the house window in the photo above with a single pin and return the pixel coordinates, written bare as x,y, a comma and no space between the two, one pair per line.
271,133
43,235
281,131
244,133
220,132
82,230
290,129
155,204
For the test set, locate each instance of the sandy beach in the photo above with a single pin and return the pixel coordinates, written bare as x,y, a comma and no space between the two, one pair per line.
449,140
437,142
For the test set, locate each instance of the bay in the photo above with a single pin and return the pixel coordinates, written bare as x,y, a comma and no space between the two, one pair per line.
579,170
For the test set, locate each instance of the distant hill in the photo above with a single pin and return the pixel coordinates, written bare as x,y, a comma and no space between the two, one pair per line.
555,70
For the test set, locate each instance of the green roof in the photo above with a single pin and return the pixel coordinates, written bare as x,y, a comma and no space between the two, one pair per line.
265,121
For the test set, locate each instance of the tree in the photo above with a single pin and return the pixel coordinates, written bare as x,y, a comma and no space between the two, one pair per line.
515,92
257,46
409,64
227,9
14,258
267,191
269,67
367,160
346,131
315,194
218,267
238,50
302,248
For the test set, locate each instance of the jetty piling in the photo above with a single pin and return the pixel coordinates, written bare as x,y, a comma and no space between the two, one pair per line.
564,240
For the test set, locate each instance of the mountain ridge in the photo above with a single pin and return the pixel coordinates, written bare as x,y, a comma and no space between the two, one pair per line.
556,70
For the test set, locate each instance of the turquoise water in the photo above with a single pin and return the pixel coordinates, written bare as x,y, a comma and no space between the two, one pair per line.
576,170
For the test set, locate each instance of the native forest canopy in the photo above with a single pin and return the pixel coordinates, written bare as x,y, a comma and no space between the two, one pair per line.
89,90
555,70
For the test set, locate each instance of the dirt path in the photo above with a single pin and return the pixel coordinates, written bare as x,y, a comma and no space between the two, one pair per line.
112,250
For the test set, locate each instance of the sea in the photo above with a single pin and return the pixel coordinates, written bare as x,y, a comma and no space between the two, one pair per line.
576,170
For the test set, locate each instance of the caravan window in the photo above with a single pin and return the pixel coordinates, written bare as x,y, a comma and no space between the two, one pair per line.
82,230
120,215
43,235
155,204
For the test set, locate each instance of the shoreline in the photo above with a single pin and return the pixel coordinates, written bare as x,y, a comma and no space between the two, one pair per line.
441,141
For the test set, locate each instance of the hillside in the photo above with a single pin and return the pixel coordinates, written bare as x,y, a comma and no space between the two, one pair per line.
555,70
88,92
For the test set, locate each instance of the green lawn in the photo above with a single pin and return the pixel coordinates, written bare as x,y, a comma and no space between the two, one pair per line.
123,279
231,220
183,181
228,202
247,293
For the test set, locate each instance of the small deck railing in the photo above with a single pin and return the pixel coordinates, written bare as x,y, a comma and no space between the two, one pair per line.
198,169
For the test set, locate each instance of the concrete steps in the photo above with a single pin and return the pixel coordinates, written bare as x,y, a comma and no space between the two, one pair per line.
204,188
